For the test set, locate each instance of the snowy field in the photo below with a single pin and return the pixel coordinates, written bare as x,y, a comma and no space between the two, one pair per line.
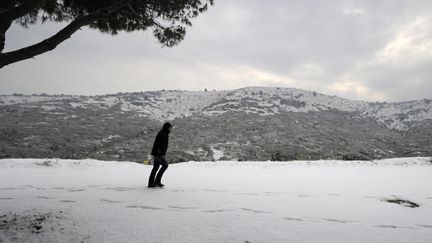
303,201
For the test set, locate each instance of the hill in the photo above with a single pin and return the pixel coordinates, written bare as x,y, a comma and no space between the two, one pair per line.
253,123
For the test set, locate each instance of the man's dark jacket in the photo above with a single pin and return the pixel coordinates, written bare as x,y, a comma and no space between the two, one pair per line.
160,145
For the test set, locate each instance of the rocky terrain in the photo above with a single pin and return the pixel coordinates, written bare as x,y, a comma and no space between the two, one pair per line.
253,123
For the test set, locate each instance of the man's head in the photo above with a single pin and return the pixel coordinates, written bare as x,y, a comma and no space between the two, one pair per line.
167,126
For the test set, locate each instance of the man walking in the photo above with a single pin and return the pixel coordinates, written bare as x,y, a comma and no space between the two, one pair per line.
160,147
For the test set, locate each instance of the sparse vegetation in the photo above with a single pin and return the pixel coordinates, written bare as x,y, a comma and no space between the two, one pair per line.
90,130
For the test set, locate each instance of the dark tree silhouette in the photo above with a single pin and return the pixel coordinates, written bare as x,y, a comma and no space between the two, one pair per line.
166,18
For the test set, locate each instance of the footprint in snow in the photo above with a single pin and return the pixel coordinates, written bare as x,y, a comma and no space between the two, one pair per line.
28,186
177,190
109,201
33,187
121,189
180,207
389,226
246,193
67,201
292,219
10,188
217,211
424,225
307,195
339,220
144,207
254,211
76,190
213,190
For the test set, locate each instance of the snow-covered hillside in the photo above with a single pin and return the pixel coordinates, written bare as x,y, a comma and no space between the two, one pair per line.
168,105
304,201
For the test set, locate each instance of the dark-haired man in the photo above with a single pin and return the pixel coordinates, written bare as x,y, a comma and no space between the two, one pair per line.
160,147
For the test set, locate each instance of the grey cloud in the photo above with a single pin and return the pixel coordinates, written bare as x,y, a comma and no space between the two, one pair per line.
314,42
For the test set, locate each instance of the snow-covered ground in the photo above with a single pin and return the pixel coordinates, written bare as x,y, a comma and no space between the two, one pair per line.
303,201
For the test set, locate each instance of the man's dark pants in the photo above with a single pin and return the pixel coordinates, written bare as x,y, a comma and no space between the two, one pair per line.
158,161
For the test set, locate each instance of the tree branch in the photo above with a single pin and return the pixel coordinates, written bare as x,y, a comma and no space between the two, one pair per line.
9,15
52,42
45,45
4,26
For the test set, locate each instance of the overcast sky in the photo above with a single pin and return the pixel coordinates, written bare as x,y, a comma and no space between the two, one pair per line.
365,50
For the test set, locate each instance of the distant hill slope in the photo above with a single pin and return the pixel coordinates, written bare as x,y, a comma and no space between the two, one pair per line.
253,123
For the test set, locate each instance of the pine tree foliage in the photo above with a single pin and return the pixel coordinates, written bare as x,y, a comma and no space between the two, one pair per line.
167,19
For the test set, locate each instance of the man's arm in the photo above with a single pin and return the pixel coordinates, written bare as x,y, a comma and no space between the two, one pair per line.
158,144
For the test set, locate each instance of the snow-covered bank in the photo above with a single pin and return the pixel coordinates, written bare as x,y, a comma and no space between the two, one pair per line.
301,201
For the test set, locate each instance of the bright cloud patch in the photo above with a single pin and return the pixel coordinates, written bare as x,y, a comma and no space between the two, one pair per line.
354,89
415,38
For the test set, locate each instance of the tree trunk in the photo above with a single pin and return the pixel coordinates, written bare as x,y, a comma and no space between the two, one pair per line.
45,45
